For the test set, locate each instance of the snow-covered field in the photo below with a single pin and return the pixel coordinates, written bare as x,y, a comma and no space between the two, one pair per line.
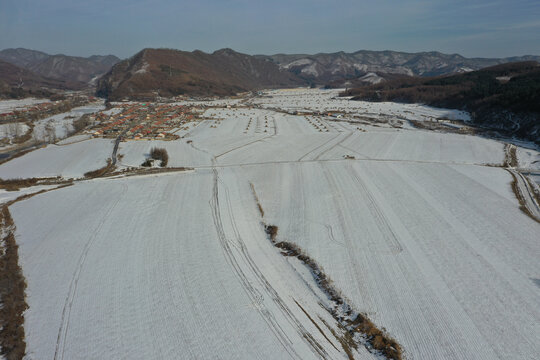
12,130
417,229
68,161
60,125
143,275
327,101
12,105
438,254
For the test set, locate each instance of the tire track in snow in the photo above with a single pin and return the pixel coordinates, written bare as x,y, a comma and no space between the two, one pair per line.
275,162
253,293
306,335
382,222
318,147
68,304
249,143
334,146
355,265
524,194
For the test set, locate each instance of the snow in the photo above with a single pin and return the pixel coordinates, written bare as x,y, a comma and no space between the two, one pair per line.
60,125
12,130
113,111
419,231
372,78
298,62
175,289
143,69
444,262
68,161
328,100
12,105
528,158
180,153
311,70
6,196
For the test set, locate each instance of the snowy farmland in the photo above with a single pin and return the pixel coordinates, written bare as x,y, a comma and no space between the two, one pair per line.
59,126
418,230
329,101
68,161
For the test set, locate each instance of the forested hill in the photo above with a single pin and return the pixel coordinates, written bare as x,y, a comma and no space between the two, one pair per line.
504,97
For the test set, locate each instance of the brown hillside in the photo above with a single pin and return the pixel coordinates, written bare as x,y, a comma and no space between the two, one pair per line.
18,82
71,69
504,97
162,72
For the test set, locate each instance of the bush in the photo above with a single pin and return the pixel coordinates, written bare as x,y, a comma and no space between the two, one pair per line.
12,292
101,171
160,154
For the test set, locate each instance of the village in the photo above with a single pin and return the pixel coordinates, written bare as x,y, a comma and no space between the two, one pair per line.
35,111
143,121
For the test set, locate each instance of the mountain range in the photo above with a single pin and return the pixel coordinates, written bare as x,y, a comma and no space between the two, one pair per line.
505,97
73,70
163,72
341,66
168,72
18,82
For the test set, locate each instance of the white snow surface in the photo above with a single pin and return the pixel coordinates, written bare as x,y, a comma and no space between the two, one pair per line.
11,130
528,158
11,105
175,281
60,125
439,255
68,161
372,78
416,231
327,101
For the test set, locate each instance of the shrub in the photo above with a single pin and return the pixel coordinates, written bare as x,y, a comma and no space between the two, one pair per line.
271,231
160,154
12,292
101,171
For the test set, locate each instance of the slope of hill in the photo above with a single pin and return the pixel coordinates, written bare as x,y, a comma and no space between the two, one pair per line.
24,58
17,82
506,97
164,72
61,67
325,68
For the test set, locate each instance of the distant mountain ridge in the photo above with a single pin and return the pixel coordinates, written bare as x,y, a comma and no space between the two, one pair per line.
167,72
505,97
155,73
324,68
71,69
16,82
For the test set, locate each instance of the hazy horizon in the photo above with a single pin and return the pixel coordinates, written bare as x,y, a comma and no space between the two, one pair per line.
122,28
274,53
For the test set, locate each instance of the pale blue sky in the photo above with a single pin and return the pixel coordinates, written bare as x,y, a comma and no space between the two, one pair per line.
474,28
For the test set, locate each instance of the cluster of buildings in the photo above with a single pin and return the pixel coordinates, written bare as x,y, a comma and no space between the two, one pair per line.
138,121
43,110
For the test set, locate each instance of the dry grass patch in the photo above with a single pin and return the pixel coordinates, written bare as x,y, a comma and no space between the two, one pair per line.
12,292
522,204
349,321
510,159
101,171
17,184
261,211
271,231
352,322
